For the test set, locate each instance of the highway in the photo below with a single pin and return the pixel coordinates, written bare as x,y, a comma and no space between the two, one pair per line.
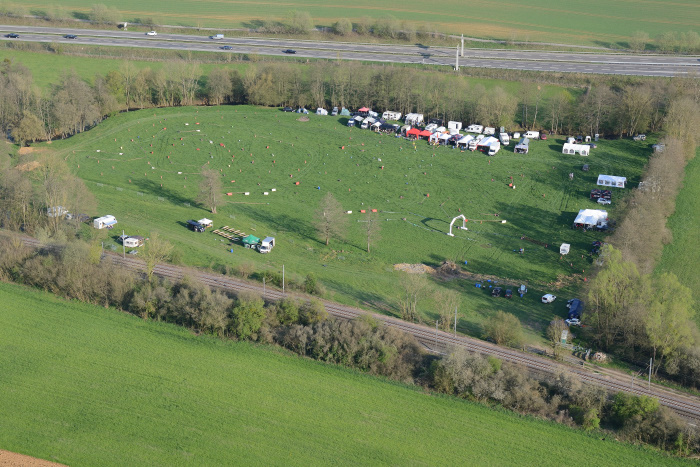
687,406
533,60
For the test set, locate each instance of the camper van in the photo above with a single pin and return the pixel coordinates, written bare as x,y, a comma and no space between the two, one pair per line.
389,115
489,131
475,129
505,139
532,134
104,222
266,245
454,126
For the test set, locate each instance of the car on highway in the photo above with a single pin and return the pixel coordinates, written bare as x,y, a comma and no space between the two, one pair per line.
12,35
226,47
70,36
151,33
289,51
548,298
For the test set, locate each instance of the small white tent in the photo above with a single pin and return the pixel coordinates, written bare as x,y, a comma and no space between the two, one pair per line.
564,248
611,180
464,142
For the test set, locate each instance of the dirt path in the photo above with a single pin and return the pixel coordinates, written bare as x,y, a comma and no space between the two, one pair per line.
12,459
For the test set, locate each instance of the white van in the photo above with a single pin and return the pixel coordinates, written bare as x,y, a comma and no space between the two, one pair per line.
532,134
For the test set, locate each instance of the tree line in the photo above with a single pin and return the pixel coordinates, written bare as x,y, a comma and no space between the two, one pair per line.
75,270
73,105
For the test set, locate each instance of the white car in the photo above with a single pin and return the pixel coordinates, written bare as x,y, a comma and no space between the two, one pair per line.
604,201
573,322
151,33
548,298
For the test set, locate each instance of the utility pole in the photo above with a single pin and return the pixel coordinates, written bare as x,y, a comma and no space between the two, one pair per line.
457,59
123,246
455,320
462,45
651,362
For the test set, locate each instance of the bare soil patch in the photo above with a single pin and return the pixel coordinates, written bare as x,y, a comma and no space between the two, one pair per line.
26,150
12,459
303,119
414,268
28,166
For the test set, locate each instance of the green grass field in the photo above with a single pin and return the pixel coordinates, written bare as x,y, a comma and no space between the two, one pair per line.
126,159
84,385
683,255
569,21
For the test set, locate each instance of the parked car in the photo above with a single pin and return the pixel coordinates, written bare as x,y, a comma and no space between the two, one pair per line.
509,293
640,138
195,226
226,47
151,33
543,137
289,51
604,201
548,298
592,145
288,109
573,322
496,292
12,35
70,36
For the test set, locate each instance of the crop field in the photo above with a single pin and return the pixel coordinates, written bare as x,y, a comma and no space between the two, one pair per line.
84,385
144,168
683,255
569,21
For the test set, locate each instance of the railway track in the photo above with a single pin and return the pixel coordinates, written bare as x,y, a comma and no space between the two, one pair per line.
685,405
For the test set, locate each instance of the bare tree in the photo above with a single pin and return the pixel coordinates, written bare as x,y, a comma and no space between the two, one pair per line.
210,189
413,287
157,250
446,303
372,229
218,86
330,219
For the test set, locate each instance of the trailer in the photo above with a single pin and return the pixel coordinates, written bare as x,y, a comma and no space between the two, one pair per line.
391,115
475,129
104,222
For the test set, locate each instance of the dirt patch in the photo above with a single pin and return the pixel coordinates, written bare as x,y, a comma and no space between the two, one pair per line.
25,150
414,268
28,166
12,459
303,119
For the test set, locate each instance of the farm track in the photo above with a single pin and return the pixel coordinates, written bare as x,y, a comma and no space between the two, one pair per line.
437,341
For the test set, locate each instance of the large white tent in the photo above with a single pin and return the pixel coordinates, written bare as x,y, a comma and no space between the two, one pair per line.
588,218
612,180
571,148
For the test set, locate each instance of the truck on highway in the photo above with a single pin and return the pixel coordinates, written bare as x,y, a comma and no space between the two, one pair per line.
217,37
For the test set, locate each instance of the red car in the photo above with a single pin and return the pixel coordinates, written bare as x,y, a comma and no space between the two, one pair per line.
543,136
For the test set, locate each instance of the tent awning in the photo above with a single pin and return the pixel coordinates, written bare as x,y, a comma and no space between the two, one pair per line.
590,217
363,109
413,131
251,240
425,133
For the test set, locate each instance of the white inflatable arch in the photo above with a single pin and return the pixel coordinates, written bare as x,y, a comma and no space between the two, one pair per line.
464,224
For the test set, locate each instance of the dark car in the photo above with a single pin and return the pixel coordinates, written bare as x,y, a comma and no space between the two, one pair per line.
496,292
509,293
195,226
226,47
70,36
575,307
289,51
288,109
12,35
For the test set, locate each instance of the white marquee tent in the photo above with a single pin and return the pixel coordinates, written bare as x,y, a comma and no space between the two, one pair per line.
612,180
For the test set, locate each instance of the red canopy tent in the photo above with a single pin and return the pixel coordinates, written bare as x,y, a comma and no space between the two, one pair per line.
413,132
363,109
425,133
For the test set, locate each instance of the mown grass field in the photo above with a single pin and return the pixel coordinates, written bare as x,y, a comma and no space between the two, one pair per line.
683,254
84,385
126,159
567,21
